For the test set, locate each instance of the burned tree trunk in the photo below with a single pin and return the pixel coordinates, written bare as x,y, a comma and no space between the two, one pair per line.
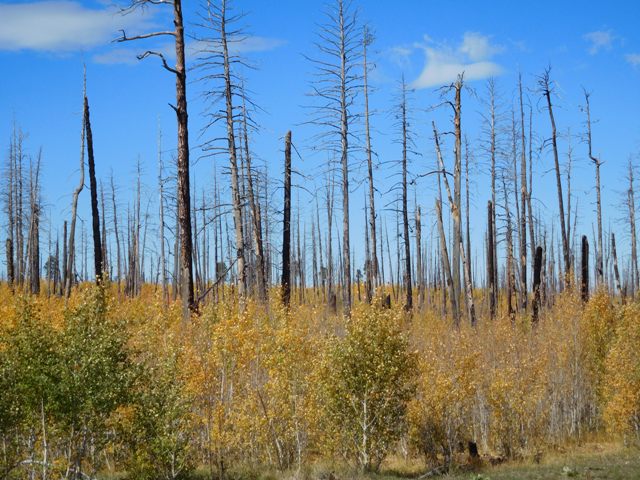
10,270
584,277
95,213
286,224
537,268
491,262
183,193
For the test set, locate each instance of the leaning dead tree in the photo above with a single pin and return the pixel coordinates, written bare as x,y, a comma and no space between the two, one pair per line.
455,211
180,108
336,85
546,88
71,252
597,163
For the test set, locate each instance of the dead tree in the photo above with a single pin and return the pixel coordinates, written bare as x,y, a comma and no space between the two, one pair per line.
419,264
161,239
597,163
491,263
33,247
631,203
93,185
584,275
616,270
546,88
509,276
523,206
180,108
71,252
455,211
537,268
336,86
408,305
286,224
373,267
116,232
254,205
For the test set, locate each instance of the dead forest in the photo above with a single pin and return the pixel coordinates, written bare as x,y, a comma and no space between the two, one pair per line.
498,344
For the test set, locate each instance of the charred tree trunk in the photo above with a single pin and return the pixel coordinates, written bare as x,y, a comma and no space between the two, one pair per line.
584,277
491,261
537,268
93,185
286,224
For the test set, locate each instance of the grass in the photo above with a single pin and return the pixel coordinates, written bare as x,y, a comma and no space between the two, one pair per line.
589,462
593,461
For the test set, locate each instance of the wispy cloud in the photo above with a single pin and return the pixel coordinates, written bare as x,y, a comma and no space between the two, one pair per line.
599,40
62,25
473,56
633,59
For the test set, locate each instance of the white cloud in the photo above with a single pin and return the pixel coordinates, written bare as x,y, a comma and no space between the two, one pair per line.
599,40
472,56
62,25
633,59
478,47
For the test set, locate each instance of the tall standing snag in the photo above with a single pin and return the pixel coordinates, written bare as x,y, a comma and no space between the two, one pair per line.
286,224
597,163
180,108
546,87
95,213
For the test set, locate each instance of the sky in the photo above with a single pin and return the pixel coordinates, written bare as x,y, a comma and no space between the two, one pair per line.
45,44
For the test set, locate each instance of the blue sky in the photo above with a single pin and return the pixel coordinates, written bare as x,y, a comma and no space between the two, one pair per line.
43,46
